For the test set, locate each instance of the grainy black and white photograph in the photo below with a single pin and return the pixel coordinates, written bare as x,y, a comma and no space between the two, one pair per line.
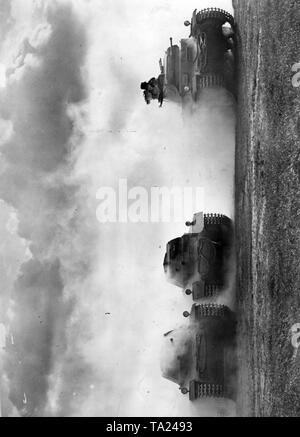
149,210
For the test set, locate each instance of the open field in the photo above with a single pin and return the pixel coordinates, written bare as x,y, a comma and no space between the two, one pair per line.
268,206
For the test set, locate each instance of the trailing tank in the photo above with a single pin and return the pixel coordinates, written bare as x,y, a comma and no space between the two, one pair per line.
206,59
200,357
199,260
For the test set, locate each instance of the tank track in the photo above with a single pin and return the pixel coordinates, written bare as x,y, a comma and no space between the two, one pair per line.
215,219
210,310
211,80
218,13
202,390
211,289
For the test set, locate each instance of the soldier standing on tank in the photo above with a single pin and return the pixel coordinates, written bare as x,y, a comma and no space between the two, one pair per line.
153,89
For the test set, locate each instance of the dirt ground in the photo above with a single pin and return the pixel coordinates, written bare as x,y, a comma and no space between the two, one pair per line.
268,206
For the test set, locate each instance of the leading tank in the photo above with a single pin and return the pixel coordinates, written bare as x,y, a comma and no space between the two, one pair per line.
206,59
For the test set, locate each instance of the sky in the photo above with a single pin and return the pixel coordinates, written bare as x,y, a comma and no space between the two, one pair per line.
85,303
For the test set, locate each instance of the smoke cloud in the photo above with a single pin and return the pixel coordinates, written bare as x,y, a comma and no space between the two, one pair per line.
89,304
43,83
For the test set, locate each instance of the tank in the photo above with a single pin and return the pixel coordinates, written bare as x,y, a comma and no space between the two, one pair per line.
206,59
200,357
198,261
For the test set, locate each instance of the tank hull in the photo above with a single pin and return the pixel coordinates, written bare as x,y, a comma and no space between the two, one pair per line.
207,366
214,352
201,260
